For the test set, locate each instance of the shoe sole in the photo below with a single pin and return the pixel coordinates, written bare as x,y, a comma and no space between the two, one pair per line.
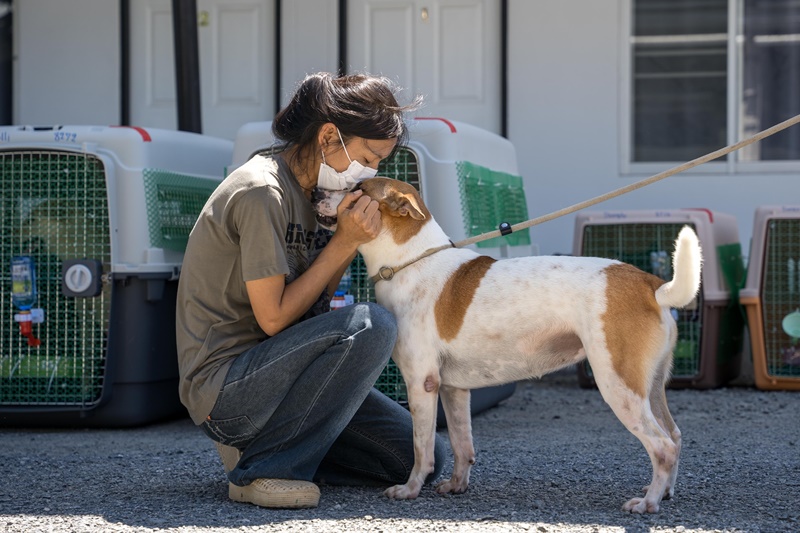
290,500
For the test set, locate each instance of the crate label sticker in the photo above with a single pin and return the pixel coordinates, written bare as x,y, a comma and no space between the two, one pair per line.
65,136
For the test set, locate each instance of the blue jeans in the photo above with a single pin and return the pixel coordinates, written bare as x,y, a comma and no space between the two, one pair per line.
301,405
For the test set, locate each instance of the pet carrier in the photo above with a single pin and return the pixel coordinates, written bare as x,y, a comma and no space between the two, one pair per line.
467,177
772,297
94,222
710,330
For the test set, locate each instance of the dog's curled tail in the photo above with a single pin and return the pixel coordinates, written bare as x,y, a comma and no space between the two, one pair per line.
686,265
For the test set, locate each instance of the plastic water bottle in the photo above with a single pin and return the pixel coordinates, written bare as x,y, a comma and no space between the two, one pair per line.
23,283
23,296
338,300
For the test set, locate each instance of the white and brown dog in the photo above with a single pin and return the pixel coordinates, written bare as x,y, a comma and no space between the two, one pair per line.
467,321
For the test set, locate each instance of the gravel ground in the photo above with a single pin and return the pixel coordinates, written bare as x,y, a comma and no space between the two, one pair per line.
552,457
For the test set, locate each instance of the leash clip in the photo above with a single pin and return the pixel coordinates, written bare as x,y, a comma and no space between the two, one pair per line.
505,228
388,276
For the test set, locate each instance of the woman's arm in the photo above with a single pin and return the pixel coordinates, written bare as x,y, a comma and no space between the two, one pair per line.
277,305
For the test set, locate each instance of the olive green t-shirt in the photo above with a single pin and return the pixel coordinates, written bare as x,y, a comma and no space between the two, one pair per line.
256,224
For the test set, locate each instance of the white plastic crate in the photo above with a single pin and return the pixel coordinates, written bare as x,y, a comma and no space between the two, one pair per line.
103,213
708,352
772,297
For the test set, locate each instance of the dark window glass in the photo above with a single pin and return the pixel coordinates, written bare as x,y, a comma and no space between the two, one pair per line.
771,77
680,58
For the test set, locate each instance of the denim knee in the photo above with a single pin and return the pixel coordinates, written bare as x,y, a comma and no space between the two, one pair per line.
377,327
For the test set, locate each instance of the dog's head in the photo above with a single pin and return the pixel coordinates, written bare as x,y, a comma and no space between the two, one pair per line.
325,203
396,198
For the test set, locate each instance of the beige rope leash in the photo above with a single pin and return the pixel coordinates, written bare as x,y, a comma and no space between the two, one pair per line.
633,186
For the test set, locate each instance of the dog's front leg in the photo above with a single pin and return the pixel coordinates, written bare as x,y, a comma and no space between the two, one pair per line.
423,393
459,427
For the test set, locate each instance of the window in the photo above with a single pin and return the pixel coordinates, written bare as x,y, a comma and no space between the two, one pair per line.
679,78
684,78
771,77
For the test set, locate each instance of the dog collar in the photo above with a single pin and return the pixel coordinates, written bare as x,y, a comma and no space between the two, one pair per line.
386,273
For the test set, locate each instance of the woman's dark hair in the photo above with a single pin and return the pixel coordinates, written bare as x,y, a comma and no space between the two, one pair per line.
358,104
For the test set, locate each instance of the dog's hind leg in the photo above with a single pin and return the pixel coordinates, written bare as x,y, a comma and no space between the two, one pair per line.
459,428
658,403
634,411
423,393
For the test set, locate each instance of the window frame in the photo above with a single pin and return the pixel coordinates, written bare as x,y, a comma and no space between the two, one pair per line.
735,65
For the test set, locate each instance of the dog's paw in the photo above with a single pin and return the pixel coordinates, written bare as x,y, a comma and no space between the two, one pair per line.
401,492
450,486
640,506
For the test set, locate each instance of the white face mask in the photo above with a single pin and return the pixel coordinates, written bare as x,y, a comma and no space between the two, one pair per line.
339,181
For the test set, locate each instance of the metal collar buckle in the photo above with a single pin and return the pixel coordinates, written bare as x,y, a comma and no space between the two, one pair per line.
386,277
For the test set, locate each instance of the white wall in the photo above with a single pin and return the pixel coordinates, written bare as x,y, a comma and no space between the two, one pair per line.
67,62
565,76
563,106
310,41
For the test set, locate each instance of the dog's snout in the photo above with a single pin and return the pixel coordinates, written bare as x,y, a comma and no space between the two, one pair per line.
317,195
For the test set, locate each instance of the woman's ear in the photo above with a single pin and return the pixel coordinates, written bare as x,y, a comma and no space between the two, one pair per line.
327,134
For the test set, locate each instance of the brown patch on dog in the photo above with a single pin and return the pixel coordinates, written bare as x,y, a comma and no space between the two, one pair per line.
403,212
631,320
457,294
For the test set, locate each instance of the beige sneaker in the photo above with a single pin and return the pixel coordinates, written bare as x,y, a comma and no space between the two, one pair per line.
277,493
230,456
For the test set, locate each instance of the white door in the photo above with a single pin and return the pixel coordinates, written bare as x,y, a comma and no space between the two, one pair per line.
309,41
449,51
236,48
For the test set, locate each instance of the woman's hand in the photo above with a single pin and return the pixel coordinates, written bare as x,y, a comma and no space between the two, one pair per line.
358,219
277,305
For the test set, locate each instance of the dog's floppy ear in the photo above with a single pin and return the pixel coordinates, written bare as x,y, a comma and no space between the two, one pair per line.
407,205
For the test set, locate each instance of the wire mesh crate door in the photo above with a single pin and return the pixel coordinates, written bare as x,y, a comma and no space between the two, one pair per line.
649,247
54,207
781,296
